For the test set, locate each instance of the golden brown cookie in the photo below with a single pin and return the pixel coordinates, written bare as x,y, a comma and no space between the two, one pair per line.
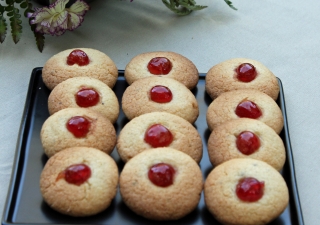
174,66
245,192
79,181
84,92
161,184
159,129
241,73
245,103
100,67
146,95
72,127
246,138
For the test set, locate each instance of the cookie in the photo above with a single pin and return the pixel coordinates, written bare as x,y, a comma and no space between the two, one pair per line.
161,184
155,94
72,127
158,129
79,181
162,64
245,103
245,192
84,92
241,73
100,66
246,138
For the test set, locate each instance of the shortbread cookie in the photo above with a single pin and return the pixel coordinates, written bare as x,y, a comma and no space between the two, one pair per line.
84,92
72,127
245,192
162,64
155,94
79,181
241,73
159,129
93,63
161,184
245,103
246,138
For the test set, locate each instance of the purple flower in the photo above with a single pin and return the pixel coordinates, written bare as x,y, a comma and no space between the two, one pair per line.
56,19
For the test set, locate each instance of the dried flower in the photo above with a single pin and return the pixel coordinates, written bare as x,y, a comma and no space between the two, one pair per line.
56,19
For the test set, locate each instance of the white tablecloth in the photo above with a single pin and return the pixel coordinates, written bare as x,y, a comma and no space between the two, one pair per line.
283,35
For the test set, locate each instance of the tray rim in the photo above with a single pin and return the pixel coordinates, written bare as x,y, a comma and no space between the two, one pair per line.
16,168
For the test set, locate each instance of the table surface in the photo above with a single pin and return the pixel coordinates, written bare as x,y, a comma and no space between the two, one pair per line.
283,35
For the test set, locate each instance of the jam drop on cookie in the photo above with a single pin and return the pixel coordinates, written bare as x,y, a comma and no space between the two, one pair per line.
159,66
76,174
249,189
160,94
78,126
247,142
248,109
87,97
246,72
79,57
161,174
158,136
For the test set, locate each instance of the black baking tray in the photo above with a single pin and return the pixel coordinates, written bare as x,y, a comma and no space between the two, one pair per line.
25,205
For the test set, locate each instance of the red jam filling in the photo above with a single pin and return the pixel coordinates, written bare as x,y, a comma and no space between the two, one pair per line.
249,189
75,174
79,57
248,109
246,72
161,174
160,94
159,66
158,136
87,97
247,142
78,126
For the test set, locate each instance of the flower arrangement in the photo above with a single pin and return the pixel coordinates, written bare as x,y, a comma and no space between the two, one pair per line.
57,18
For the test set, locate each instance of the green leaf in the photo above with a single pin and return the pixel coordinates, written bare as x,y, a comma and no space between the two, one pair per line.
182,7
28,9
2,9
9,8
230,4
39,37
24,5
40,41
18,1
9,2
3,28
15,23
